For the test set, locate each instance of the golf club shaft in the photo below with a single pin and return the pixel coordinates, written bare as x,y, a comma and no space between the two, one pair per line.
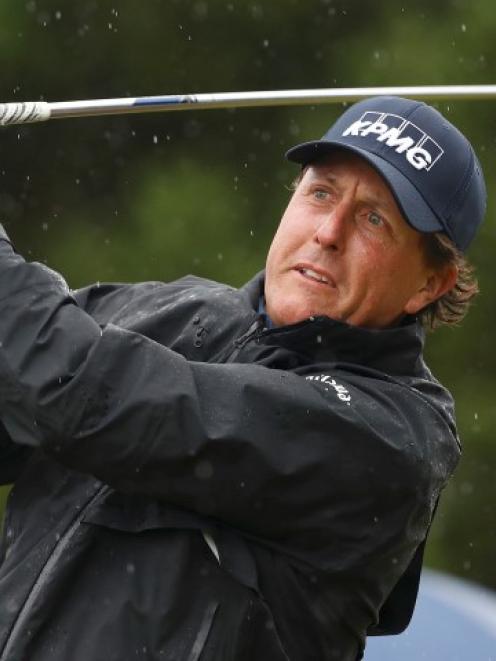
37,111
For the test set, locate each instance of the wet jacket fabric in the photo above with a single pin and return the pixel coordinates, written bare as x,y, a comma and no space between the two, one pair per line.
191,486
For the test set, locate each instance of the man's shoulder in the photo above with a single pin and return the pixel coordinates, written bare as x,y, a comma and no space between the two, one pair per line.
109,295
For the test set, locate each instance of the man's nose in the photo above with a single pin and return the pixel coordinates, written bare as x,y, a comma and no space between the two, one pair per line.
335,226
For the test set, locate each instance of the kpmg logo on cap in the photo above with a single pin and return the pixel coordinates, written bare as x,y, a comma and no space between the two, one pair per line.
420,150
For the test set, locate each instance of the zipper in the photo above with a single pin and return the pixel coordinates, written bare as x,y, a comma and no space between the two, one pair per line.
52,560
255,330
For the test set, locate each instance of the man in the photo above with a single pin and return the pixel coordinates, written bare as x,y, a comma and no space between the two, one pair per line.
207,473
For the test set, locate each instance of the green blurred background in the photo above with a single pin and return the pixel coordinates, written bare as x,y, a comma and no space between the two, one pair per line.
157,196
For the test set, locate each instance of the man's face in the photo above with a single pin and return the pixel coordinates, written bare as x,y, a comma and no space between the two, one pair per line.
344,250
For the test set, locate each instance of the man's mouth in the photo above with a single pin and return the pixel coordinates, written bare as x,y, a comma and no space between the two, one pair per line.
316,276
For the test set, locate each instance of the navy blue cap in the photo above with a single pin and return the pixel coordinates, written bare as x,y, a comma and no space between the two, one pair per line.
430,166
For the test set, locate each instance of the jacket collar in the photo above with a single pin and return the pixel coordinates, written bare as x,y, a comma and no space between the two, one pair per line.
397,350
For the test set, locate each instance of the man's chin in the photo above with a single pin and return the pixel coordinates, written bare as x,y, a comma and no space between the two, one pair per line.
289,314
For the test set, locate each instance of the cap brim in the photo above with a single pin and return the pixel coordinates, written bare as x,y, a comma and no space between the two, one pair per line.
412,205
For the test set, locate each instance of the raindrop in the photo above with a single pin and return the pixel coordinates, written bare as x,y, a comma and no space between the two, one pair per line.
464,27
44,19
155,139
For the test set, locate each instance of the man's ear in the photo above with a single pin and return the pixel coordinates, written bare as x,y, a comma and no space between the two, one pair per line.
437,283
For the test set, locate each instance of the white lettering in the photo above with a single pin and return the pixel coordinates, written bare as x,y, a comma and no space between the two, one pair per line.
418,157
391,134
355,127
420,153
341,391
393,139
377,127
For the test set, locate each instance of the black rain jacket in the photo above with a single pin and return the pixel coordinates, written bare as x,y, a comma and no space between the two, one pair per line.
190,486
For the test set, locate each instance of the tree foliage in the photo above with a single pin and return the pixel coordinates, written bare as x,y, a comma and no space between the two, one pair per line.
157,196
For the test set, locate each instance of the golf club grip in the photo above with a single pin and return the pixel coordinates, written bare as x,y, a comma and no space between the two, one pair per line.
24,113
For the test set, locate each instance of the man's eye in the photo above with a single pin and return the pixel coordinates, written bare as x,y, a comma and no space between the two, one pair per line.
375,219
320,194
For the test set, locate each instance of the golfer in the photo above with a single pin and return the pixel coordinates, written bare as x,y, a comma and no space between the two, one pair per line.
206,473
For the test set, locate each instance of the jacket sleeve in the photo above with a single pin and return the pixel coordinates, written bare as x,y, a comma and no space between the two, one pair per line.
263,450
12,457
